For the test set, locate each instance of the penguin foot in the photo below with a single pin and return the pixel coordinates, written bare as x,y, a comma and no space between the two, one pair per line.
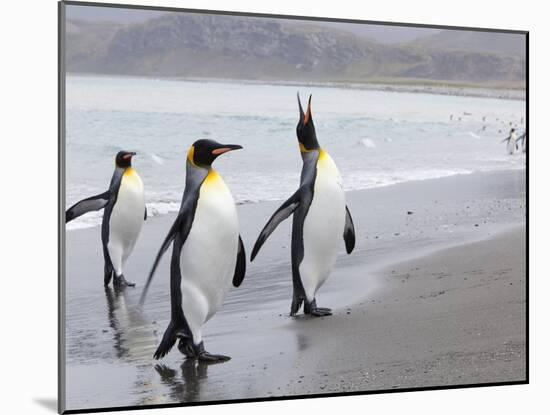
321,312
212,358
311,308
191,351
121,282
204,356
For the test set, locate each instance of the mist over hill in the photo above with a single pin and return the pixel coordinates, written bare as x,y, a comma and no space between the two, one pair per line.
492,42
232,47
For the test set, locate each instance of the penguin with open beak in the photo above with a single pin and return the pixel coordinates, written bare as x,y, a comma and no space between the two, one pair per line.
320,219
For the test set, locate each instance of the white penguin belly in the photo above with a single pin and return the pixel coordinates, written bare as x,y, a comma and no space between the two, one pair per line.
209,254
126,219
323,226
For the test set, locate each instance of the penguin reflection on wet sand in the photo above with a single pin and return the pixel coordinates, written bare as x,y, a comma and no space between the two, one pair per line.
321,219
134,337
123,217
187,387
207,254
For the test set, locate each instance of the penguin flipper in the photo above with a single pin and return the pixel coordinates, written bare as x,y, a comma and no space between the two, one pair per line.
240,266
349,232
168,340
87,205
182,226
145,214
284,211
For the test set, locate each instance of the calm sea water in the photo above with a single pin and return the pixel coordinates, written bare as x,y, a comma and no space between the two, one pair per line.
377,138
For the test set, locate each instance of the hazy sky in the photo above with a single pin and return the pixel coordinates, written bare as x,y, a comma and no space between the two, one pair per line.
381,33
111,14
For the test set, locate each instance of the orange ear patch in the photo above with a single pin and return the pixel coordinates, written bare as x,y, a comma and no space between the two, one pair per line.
191,155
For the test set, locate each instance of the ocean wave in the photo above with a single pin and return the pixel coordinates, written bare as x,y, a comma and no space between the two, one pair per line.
275,190
92,219
361,181
157,159
367,142
89,220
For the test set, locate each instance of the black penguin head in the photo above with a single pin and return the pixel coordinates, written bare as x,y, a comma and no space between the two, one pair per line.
305,130
203,152
124,159
512,130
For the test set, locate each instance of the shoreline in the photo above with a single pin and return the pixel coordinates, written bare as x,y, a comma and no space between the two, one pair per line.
397,85
408,304
81,227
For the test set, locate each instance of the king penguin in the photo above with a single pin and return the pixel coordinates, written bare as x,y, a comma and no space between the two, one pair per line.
124,214
207,254
511,145
320,220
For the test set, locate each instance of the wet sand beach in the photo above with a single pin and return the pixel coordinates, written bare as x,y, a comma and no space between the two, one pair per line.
434,294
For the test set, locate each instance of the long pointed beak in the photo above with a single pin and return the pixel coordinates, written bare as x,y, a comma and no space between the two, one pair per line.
300,106
308,112
307,116
225,148
129,155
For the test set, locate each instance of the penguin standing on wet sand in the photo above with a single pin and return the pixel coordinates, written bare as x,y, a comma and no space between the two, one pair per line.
125,211
321,218
207,254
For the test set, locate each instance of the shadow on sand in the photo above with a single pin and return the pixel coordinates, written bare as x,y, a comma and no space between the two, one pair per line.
48,403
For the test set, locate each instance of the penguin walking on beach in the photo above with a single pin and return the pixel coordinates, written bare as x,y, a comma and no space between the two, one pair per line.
123,217
207,255
320,220
511,145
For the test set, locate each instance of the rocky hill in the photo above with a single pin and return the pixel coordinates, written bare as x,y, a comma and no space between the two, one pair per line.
198,45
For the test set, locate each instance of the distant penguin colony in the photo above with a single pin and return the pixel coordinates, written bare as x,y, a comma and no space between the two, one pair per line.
321,220
207,253
124,213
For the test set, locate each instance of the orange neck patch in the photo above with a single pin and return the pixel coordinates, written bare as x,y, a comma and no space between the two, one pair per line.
212,176
129,171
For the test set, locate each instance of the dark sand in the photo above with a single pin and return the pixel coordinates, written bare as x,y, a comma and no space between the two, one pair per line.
434,297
